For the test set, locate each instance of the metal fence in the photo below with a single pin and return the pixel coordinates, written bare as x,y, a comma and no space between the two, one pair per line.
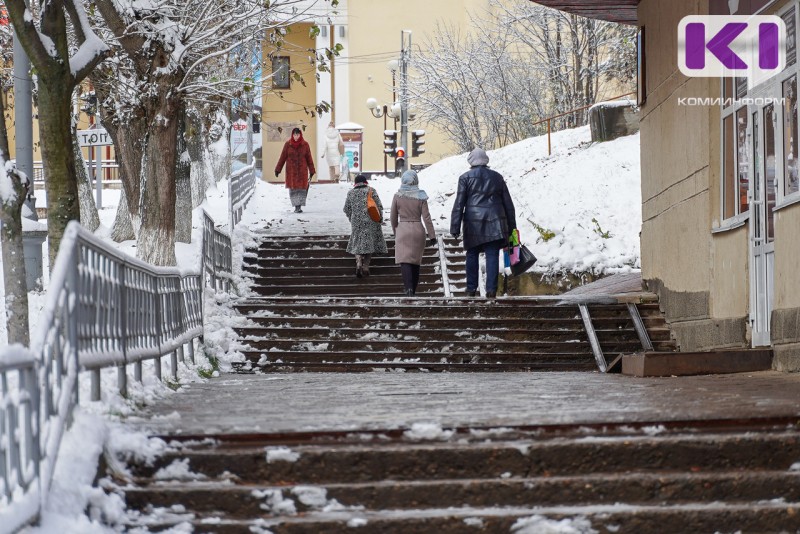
240,189
104,309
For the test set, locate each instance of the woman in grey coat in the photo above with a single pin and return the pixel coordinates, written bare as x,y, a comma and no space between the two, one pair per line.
366,236
409,212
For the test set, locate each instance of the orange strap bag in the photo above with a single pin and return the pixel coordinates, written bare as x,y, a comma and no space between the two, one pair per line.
372,208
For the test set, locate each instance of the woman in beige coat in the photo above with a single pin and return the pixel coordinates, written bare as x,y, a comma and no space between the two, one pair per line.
409,212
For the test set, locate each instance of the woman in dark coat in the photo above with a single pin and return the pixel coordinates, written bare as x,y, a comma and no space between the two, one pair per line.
409,212
300,169
483,204
366,236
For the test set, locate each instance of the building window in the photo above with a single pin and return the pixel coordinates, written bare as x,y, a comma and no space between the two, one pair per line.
280,72
735,157
742,159
790,170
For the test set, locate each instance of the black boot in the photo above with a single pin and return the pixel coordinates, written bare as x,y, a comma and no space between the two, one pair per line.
409,292
471,293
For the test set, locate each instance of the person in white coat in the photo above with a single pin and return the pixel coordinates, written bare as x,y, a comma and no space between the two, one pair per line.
334,148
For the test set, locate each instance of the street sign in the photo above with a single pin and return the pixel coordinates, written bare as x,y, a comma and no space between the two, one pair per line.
96,137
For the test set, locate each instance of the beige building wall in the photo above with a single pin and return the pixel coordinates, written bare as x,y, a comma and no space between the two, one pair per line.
701,271
374,28
290,110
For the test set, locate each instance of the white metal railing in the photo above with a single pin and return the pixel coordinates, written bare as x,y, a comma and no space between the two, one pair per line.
104,309
240,189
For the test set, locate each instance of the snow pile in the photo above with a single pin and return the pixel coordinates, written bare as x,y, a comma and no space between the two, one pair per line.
541,525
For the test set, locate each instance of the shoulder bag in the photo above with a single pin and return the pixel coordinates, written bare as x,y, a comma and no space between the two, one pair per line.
372,208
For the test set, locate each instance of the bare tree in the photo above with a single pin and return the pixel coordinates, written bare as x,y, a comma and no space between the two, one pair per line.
575,55
59,68
517,65
174,50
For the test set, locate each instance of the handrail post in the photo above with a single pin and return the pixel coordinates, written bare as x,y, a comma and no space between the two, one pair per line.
549,150
122,370
157,360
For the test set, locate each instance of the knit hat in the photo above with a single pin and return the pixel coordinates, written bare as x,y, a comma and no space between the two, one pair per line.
477,158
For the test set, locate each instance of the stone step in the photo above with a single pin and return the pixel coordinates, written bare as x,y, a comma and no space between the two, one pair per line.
436,333
655,327
208,497
314,261
430,308
364,361
373,460
387,347
344,278
703,517
258,273
540,364
354,289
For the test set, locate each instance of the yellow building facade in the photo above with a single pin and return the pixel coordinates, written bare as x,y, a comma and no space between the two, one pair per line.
370,32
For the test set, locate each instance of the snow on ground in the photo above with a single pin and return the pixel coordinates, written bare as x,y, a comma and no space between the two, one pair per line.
560,194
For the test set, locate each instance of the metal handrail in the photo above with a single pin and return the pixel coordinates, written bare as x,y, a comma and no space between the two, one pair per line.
548,119
104,309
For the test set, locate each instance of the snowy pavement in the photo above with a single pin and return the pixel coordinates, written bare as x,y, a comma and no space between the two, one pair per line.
385,400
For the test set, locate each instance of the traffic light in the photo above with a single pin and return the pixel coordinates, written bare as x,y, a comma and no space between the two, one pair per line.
389,142
399,159
256,123
417,140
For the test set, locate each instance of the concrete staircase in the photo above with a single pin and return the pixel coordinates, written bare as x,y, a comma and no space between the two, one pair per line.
314,314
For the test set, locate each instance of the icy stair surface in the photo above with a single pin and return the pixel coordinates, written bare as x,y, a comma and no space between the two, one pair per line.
424,480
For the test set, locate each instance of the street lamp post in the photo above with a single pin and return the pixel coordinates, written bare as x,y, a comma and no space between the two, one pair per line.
398,109
405,57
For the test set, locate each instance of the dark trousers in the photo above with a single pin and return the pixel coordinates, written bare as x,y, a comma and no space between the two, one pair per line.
492,251
410,274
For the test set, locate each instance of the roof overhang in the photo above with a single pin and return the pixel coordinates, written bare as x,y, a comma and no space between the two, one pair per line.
622,11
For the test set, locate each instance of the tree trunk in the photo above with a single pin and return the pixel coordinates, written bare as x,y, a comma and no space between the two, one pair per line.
156,240
123,225
16,298
89,217
195,147
55,135
129,151
183,185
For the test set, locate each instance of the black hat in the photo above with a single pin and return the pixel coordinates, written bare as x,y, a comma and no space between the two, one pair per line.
296,130
361,179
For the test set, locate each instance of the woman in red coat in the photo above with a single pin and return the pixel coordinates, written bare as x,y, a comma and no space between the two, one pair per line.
299,168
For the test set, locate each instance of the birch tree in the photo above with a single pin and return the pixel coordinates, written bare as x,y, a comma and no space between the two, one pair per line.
59,68
174,49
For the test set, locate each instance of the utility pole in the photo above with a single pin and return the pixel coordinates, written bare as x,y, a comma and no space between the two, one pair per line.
405,57
23,115
249,103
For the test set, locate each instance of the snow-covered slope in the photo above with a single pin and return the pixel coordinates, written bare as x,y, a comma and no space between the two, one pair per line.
582,182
